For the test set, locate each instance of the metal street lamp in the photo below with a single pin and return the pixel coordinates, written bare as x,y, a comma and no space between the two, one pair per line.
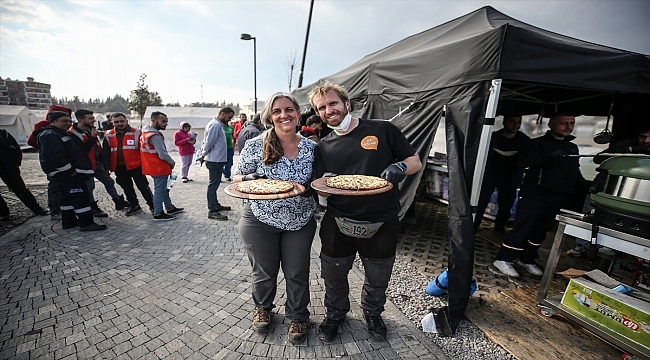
249,37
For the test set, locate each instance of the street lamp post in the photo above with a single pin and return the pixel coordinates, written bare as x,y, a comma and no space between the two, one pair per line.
249,37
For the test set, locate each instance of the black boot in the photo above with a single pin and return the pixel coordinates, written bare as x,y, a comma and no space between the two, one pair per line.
92,227
120,203
97,212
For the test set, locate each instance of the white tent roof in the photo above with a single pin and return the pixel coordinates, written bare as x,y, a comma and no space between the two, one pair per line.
18,121
197,117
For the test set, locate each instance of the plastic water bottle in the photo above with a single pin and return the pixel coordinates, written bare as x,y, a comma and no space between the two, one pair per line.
171,181
197,161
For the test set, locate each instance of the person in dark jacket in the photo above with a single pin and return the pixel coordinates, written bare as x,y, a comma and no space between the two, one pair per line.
502,172
10,159
552,176
252,129
62,157
640,145
53,195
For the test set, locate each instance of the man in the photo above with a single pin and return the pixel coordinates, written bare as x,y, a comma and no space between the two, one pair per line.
122,156
214,153
230,149
253,129
85,130
157,163
553,174
640,145
364,147
63,158
237,127
502,172
10,159
312,128
53,195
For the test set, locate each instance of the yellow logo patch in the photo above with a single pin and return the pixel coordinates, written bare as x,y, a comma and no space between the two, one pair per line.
370,143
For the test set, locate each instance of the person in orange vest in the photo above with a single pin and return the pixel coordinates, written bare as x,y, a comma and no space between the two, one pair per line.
157,163
85,130
121,155
53,194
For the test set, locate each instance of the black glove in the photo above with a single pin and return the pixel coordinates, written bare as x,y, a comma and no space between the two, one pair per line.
558,154
253,176
329,174
394,173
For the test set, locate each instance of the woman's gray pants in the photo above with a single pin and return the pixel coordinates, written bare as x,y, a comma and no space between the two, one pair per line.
268,248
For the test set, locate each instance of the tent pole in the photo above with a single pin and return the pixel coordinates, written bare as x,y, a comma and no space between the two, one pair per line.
484,143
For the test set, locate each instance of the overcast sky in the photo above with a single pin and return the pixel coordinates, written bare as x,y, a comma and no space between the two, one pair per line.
191,50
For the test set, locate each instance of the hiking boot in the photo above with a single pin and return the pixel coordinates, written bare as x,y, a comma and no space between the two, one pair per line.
262,319
217,216
120,203
163,217
297,332
92,227
531,268
40,211
133,210
223,208
376,327
328,329
506,268
97,212
175,210
69,226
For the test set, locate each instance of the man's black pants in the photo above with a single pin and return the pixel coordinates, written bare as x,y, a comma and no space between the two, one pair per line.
11,176
125,178
75,200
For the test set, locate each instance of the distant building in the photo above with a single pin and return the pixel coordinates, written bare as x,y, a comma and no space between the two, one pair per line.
28,93
249,109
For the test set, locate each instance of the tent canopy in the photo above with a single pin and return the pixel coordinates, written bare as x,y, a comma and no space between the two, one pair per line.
451,67
18,121
197,117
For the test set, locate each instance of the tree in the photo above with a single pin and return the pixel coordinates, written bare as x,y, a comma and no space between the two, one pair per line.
142,97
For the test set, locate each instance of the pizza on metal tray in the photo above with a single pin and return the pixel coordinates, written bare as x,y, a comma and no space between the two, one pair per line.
356,182
264,186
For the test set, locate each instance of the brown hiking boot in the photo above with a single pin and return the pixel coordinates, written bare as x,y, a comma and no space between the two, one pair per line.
262,319
297,332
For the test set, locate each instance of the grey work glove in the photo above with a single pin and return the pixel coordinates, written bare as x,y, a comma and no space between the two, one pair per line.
253,176
394,173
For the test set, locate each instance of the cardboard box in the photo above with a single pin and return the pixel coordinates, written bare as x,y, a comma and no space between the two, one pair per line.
621,313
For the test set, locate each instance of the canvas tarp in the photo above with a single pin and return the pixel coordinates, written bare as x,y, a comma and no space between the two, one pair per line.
452,65
18,121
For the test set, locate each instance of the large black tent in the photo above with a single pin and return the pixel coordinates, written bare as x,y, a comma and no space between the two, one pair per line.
471,69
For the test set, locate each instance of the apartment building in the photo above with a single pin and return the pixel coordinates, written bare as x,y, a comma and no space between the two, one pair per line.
34,95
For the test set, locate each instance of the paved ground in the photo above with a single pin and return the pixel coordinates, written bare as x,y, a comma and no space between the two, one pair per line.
163,290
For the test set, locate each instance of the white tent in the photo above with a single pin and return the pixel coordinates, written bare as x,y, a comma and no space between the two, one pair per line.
197,117
18,121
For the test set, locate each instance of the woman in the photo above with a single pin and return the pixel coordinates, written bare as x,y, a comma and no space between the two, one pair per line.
279,232
184,141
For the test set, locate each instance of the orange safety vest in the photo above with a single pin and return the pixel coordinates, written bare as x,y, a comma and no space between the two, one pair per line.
91,153
130,148
152,164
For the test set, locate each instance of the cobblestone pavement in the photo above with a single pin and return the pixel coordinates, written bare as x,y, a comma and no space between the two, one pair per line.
162,290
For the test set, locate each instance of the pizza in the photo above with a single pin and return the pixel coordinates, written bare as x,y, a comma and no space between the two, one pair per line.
356,182
264,186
